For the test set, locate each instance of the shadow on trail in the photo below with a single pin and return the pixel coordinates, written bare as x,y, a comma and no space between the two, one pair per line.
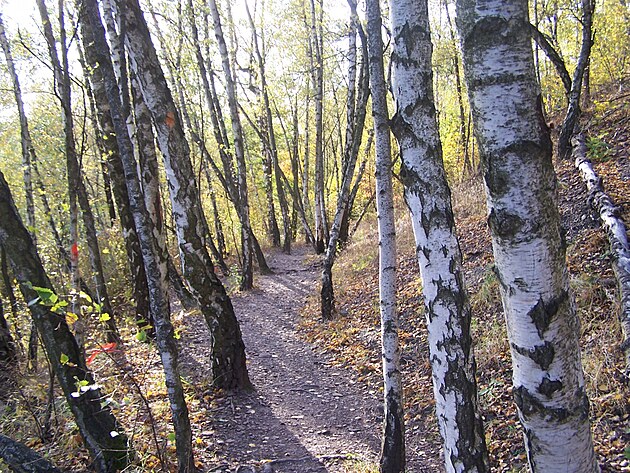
306,415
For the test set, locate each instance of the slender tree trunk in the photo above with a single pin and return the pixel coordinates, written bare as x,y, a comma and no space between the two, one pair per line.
617,235
571,120
100,430
392,459
227,351
247,281
151,241
76,186
271,138
428,197
27,144
354,133
529,251
116,171
317,66
267,164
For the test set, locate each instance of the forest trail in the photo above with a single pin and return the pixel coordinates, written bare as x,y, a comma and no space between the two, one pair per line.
305,415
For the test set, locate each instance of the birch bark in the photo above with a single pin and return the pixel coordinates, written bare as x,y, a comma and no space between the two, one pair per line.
392,458
227,351
428,196
151,240
515,148
247,281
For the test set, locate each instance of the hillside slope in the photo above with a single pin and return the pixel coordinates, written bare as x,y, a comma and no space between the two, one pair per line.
354,336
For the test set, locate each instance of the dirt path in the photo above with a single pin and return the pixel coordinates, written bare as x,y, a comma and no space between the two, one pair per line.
305,415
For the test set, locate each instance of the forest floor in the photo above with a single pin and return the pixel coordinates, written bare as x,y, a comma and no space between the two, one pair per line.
316,403
305,414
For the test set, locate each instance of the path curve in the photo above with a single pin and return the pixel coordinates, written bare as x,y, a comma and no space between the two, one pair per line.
305,415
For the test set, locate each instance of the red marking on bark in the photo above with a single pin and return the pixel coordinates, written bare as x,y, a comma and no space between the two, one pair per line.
170,119
74,251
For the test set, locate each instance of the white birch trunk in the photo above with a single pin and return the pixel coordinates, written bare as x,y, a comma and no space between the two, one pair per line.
393,446
617,236
428,196
515,148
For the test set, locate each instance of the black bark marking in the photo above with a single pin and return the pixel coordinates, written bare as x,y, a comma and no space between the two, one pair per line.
548,387
393,446
505,224
543,312
530,406
542,355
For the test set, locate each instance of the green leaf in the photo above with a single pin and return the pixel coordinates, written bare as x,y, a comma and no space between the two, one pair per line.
64,359
85,296
141,336
171,436
104,317
177,335
58,307
626,453
46,296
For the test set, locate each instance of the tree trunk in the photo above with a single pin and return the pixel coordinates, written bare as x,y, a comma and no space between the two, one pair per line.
116,171
247,280
151,241
617,237
267,165
27,144
22,459
227,352
570,123
271,138
428,197
354,132
392,459
76,186
515,147
317,66
100,430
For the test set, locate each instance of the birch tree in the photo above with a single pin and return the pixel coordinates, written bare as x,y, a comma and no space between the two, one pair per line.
529,252
227,350
392,458
355,113
76,186
151,240
428,197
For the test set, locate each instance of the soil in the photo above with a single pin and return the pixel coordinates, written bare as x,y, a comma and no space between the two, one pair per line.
305,414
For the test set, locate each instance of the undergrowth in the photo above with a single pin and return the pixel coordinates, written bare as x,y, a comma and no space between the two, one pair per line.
353,337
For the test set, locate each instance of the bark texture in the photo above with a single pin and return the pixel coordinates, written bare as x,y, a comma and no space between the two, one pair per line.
151,241
117,176
392,459
101,432
228,351
529,252
22,459
617,236
428,197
